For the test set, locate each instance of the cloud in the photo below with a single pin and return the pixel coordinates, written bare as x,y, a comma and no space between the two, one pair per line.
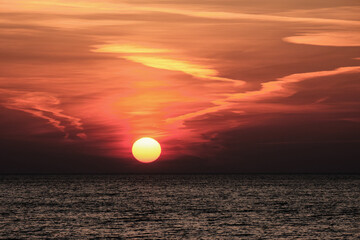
45,106
96,7
278,88
335,39
127,48
152,59
195,70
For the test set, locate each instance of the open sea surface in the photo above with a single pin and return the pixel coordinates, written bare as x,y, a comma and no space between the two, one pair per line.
180,206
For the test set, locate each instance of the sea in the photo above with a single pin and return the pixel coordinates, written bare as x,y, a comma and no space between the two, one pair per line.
180,206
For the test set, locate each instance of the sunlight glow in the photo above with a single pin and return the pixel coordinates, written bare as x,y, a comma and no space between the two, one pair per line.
146,150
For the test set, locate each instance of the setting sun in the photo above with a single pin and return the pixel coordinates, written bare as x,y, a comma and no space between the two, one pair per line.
146,150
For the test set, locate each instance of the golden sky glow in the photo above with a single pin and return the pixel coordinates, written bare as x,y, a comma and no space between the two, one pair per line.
109,72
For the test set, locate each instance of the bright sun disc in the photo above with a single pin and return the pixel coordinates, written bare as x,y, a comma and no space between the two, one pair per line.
146,150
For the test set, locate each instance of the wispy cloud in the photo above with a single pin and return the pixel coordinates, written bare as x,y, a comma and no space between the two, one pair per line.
278,88
155,60
335,38
45,106
127,48
255,17
86,7
195,70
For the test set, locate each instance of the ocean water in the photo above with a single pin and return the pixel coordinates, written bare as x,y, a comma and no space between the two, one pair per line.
180,207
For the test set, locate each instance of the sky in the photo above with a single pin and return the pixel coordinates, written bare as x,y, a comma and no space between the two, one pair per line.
228,86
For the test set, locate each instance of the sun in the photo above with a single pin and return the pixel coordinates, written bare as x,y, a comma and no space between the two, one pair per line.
146,150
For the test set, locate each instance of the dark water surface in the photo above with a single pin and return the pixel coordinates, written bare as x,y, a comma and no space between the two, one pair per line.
180,206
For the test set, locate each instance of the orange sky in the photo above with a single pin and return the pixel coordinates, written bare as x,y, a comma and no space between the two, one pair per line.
105,73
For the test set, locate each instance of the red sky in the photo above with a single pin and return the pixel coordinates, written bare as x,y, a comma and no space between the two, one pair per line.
228,86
